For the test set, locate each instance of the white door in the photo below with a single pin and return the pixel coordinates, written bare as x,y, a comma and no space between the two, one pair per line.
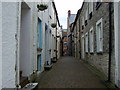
82,48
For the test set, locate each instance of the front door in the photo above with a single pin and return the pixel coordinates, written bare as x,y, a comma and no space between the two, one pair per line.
39,56
39,62
82,48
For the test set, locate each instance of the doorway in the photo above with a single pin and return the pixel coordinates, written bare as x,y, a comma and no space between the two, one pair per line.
82,49
39,47
25,31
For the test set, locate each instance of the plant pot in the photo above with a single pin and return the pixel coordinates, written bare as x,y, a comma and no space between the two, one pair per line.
53,25
42,7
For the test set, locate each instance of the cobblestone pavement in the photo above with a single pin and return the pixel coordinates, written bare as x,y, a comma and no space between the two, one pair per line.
69,72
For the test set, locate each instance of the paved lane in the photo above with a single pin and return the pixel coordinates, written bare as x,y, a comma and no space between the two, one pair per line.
69,73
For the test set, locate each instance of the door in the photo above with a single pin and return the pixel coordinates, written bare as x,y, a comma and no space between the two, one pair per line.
39,58
82,49
39,33
46,44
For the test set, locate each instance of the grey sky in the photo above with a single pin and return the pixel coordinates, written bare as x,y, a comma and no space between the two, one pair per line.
63,6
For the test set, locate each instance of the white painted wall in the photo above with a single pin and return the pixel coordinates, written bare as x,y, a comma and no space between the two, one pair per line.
25,29
35,20
9,27
44,16
0,45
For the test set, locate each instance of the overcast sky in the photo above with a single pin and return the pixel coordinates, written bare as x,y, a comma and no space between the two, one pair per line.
62,8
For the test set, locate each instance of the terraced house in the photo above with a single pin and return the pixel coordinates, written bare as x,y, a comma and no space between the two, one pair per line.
96,41
29,38
96,38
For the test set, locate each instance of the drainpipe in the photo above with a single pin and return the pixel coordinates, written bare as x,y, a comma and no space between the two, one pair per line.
62,47
71,44
56,43
110,43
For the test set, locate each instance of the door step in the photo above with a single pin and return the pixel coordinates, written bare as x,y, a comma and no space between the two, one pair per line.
48,67
54,60
23,81
30,86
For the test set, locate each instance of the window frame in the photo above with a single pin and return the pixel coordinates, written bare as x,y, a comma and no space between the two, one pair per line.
83,22
90,6
98,3
91,35
86,15
99,36
86,42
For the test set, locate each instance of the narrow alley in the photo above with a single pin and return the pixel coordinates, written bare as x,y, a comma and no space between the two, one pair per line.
59,44
69,72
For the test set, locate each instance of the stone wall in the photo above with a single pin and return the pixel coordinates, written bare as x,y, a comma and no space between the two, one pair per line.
99,60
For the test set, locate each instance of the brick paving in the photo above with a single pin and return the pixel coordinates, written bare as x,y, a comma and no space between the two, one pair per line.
69,72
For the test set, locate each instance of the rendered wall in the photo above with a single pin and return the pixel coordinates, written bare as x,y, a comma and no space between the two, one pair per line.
9,26
0,45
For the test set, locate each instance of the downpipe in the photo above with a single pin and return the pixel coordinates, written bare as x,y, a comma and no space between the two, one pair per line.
110,43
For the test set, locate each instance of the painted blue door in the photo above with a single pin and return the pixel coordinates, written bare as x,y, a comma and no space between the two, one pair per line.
39,63
39,33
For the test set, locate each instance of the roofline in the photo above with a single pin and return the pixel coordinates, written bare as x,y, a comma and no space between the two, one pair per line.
78,13
56,12
74,23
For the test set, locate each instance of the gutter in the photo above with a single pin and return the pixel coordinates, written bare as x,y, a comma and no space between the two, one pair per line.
56,13
110,43
56,22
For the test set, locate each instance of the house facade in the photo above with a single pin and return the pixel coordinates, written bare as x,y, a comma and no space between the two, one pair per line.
27,41
94,27
70,21
76,36
95,35
64,42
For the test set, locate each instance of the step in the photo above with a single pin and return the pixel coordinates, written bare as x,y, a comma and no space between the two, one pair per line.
23,81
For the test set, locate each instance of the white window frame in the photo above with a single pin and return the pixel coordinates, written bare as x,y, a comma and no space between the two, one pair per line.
86,42
83,21
91,35
99,35
86,13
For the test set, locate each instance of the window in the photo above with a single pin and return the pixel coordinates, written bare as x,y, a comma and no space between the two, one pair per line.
98,3
86,16
91,40
99,35
90,6
86,42
90,9
83,23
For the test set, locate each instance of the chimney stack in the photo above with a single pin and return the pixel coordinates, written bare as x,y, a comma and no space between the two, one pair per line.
69,13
